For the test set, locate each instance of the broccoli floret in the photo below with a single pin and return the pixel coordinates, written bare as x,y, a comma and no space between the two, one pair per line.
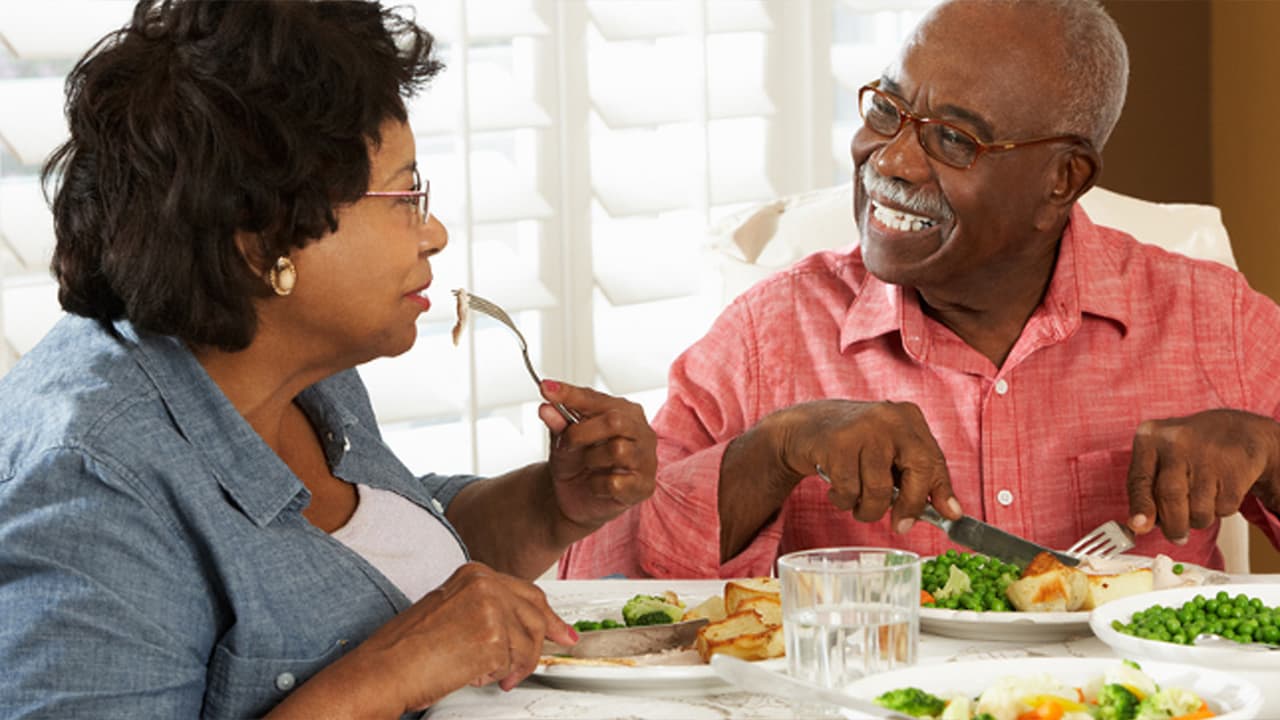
912,701
984,716
1116,702
589,625
650,610
1168,703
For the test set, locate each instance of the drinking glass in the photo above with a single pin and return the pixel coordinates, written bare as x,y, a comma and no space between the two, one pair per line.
849,612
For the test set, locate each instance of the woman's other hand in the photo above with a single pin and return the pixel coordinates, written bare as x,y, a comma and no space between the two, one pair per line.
479,627
603,464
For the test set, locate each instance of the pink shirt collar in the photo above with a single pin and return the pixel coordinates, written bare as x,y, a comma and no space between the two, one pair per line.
1086,280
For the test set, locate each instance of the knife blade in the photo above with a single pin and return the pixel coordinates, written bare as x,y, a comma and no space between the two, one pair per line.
758,679
991,540
622,642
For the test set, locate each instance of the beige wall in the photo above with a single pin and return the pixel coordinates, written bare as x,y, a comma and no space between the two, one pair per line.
1203,125
1245,90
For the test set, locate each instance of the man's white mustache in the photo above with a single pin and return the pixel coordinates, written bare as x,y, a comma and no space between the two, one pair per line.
920,202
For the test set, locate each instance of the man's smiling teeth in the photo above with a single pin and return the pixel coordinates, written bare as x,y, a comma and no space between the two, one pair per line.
899,220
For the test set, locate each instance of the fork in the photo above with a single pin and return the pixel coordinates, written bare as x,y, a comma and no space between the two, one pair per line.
1107,540
488,307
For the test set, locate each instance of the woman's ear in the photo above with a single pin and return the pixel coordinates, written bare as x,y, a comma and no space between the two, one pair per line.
253,252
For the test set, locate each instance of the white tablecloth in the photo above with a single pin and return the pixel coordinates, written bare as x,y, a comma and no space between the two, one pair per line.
533,700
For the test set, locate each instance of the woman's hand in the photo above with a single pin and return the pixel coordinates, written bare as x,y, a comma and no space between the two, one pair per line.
479,627
602,465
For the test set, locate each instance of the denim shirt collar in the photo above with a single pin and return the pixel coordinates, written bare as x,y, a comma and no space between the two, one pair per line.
255,478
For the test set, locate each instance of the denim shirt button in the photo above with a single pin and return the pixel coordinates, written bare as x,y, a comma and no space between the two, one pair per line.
346,444
285,681
436,504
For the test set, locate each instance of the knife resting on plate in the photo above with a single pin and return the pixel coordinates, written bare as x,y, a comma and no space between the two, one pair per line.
625,641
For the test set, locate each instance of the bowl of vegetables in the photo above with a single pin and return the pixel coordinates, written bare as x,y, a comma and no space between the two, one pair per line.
1062,688
1161,625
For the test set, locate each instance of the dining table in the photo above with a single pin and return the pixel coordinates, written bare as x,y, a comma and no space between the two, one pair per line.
560,698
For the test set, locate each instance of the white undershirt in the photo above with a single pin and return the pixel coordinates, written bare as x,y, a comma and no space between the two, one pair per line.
403,541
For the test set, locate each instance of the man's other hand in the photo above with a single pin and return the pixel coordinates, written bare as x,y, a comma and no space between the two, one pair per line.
1188,472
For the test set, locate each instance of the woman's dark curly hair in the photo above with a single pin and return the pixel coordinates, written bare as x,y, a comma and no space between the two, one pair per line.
201,119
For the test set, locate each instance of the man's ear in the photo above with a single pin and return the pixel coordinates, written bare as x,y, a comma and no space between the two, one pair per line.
1078,169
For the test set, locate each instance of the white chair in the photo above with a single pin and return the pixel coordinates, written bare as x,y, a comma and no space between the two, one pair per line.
761,240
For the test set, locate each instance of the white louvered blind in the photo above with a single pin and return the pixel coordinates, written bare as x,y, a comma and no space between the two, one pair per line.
577,152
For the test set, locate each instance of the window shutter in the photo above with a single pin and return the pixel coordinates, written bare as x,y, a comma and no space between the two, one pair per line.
578,151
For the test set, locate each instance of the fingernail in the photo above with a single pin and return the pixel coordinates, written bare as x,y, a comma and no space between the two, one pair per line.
551,386
1138,521
954,505
905,524
573,633
1180,541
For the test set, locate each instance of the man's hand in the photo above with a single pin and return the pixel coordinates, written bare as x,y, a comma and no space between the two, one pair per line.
1188,472
867,449
605,463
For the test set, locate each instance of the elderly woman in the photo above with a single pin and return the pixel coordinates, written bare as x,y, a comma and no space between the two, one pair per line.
197,514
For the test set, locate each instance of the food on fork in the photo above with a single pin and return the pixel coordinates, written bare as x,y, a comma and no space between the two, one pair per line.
463,306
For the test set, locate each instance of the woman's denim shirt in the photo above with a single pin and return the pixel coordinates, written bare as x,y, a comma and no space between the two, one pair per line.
154,560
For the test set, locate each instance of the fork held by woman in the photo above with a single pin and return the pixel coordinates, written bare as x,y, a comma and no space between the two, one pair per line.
488,307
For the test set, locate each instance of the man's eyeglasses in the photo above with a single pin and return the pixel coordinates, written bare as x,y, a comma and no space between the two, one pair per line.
943,141
418,198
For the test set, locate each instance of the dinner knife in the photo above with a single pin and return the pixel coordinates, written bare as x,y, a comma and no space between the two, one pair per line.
757,679
622,642
991,540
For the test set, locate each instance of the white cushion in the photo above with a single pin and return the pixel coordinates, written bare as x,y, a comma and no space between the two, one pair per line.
760,240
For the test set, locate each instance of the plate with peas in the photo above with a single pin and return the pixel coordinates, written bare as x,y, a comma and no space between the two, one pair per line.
1159,625
965,599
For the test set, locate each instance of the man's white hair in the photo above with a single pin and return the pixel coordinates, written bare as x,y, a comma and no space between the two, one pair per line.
1094,65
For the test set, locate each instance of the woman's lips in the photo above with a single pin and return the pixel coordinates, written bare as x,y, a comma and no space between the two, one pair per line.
419,296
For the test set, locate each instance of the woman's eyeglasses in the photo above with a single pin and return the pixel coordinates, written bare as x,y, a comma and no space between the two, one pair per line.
943,141
418,198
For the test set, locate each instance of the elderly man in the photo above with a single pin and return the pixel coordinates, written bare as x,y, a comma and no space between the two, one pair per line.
987,349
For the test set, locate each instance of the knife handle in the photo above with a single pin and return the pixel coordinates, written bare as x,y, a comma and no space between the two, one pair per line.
933,517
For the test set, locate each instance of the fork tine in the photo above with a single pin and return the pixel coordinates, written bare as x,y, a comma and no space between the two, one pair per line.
1105,541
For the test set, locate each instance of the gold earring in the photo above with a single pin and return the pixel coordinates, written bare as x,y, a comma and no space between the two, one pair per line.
283,276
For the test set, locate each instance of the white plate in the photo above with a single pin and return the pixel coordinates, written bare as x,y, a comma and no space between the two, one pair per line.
1013,625
1231,697
597,599
1031,626
1130,646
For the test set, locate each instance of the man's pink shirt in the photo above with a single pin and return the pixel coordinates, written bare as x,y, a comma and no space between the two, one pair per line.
1040,446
